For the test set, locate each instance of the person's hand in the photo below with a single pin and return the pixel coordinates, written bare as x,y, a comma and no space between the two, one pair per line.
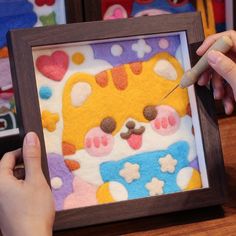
26,206
222,72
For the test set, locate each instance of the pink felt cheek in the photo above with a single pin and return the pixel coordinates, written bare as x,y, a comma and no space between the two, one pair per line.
98,143
167,121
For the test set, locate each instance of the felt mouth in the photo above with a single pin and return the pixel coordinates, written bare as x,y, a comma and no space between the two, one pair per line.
135,141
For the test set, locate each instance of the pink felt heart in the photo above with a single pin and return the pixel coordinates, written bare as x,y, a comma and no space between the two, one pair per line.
53,67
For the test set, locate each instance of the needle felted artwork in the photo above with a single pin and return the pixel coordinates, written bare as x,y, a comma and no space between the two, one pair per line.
15,14
109,136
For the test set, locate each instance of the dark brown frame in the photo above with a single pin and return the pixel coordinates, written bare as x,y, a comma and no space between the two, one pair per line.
21,43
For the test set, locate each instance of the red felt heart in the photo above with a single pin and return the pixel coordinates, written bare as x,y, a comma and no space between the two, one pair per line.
53,67
44,2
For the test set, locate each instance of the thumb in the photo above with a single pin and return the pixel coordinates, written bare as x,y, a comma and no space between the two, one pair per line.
224,66
32,156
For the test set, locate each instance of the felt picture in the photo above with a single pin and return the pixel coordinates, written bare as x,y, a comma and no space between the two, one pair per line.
109,135
15,14
112,147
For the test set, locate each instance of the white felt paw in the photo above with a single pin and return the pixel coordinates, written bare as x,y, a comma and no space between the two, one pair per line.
98,143
167,120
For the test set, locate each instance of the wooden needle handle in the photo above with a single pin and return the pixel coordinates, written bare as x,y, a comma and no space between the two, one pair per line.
223,44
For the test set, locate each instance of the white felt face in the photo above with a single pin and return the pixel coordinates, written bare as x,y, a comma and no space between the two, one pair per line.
108,137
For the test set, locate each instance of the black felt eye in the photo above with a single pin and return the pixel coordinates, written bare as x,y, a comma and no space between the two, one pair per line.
108,125
150,112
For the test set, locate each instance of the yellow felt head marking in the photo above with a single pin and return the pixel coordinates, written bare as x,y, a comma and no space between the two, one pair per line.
120,102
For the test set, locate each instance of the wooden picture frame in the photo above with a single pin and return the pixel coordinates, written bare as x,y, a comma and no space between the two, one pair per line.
10,139
22,42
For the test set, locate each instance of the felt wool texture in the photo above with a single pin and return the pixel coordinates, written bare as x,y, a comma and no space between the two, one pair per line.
109,98
111,192
86,84
54,66
104,50
44,2
155,187
165,6
26,20
54,139
188,179
72,165
83,195
58,169
126,4
90,164
167,120
11,8
49,120
116,11
48,19
149,168
45,92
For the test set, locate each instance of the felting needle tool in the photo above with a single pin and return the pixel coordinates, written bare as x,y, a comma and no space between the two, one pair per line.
190,77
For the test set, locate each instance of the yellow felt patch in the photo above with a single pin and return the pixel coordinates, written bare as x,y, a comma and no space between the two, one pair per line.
49,120
104,195
195,181
140,90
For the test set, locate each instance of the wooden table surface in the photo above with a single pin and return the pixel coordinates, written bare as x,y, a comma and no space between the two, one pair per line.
215,221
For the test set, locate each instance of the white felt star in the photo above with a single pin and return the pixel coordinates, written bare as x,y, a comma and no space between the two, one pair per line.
168,163
141,48
155,187
130,172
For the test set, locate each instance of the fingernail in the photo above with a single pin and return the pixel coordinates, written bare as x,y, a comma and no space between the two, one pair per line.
31,139
213,57
198,50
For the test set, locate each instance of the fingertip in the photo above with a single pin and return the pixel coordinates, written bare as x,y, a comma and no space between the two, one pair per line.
200,51
31,139
229,107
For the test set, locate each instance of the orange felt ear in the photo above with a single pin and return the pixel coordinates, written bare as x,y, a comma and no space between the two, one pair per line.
68,148
136,67
3,52
72,165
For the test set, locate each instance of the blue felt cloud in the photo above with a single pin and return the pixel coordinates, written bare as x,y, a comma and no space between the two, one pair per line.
149,168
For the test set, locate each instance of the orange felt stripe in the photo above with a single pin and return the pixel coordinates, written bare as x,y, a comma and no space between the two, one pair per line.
102,79
72,165
120,77
136,67
68,148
